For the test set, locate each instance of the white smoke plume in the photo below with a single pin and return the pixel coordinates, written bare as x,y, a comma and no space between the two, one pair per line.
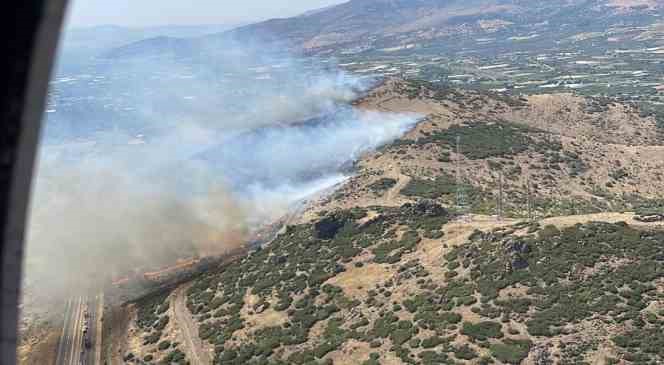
145,161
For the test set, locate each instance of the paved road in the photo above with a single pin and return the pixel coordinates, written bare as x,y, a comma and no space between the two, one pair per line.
62,343
98,327
72,350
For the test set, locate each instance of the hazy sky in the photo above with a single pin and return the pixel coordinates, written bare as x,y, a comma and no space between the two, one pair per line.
163,12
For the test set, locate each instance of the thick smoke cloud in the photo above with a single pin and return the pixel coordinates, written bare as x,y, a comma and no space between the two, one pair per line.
145,161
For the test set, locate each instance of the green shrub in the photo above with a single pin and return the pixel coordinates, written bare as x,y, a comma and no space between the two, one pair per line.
400,336
549,231
432,342
175,356
323,349
511,351
382,185
482,331
163,345
431,189
483,140
465,352
450,317
433,358
152,338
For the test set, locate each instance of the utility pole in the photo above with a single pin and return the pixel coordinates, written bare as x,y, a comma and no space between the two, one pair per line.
500,196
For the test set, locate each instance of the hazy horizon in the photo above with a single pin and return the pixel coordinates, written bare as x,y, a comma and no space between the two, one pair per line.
127,13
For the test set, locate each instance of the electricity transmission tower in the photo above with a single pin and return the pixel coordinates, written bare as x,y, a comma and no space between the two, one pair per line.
529,199
459,189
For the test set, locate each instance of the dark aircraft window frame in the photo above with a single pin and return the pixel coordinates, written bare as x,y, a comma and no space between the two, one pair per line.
32,29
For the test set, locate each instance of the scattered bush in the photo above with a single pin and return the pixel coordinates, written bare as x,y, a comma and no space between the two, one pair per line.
482,331
511,351
382,185
465,352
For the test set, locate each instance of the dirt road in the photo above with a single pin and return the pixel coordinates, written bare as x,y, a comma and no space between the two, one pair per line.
196,352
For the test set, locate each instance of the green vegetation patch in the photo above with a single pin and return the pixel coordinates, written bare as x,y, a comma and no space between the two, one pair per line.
465,352
511,351
175,357
482,331
383,184
563,272
391,251
484,140
442,187
297,264
593,270
151,316
645,342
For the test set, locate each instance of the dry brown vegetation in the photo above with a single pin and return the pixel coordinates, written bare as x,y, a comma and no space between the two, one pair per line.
38,346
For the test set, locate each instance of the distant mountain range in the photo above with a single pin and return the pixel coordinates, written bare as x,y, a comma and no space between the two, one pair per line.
360,25
80,43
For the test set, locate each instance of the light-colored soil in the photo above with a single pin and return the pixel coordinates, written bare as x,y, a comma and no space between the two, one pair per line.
513,292
40,348
356,281
257,320
354,352
571,220
568,115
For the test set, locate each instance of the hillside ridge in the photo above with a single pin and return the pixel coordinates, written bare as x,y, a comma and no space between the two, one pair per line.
359,25
392,269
